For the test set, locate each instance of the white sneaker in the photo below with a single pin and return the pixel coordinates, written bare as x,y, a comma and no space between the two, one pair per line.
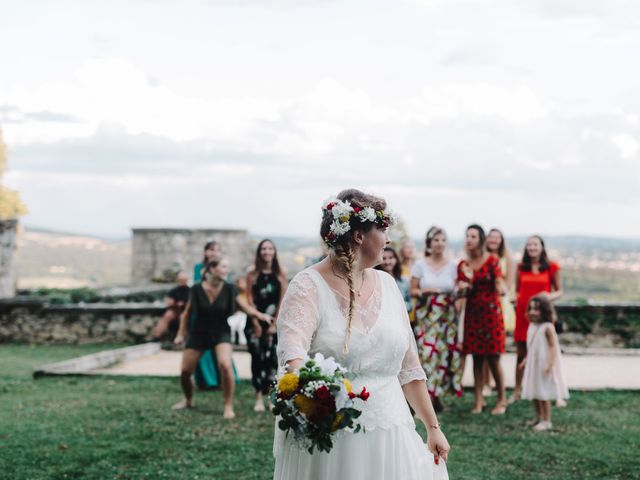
542,426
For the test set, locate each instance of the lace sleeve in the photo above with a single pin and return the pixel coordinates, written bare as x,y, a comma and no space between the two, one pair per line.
411,368
297,319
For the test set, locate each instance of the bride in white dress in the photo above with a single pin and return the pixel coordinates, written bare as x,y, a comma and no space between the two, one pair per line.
343,308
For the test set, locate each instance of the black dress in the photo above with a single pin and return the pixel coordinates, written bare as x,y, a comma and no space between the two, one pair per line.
264,363
208,325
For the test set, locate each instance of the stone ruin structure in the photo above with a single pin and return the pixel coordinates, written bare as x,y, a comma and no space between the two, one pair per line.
159,253
7,248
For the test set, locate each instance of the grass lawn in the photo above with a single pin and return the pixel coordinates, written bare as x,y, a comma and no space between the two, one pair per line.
119,428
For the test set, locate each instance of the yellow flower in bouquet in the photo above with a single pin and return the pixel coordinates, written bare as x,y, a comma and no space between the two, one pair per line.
305,404
347,385
288,384
336,422
315,402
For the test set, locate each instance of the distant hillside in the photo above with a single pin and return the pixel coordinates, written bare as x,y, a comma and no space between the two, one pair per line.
50,259
603,269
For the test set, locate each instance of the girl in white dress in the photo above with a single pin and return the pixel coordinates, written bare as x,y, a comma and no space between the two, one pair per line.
343,308
543,379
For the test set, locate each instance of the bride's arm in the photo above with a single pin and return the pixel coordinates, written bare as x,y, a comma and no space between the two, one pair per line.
418,397
297,321
413,381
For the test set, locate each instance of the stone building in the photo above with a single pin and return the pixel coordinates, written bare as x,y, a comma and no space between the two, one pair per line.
158,253
7,249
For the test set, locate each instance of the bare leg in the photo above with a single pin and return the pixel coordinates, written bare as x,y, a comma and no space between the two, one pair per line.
498,376
486,380
190,359
545,410
538,417
259,406
521,353
478,361
224,352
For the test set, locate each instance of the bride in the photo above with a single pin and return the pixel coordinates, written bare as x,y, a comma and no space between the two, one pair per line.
343,308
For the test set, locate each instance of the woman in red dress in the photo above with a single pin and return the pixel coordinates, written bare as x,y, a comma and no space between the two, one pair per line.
535,274
484,334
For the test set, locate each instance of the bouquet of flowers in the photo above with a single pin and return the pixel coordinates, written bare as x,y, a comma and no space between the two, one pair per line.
315,402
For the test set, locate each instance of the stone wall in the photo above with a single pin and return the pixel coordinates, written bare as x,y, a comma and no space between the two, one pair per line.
157,253
33,321
7,249
601,324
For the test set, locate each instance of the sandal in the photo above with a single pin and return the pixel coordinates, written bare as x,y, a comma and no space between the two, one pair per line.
499,409
513,398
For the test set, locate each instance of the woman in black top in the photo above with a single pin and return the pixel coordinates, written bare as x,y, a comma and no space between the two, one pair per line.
266,284
211,303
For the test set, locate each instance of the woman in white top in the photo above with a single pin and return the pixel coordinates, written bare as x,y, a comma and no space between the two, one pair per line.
432,284
343,308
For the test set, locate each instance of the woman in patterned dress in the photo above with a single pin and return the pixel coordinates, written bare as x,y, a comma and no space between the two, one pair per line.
497,245
484,334
266,285
432,284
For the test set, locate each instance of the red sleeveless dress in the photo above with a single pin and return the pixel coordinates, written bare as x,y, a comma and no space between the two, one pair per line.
530,284
484,332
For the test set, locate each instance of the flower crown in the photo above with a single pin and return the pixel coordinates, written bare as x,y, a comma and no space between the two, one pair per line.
344,214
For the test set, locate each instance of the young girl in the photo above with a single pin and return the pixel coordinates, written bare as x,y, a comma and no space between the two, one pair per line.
535,274
543,376
391,265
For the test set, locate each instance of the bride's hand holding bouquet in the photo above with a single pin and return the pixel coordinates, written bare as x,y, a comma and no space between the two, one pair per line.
316,401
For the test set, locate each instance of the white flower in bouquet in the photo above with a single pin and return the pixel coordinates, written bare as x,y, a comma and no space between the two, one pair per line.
328,366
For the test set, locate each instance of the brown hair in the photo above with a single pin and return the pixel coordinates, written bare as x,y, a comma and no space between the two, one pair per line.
547,312
213,263
431,234
258,264
482,236
397,268
502,248
207,246
343,248
545,264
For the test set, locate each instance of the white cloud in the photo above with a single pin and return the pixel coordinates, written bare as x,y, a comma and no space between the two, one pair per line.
449,109
627,144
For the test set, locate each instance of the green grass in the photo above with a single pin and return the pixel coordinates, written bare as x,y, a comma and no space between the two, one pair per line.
119,428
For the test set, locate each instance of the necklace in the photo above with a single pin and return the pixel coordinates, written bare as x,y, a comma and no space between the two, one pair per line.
347,282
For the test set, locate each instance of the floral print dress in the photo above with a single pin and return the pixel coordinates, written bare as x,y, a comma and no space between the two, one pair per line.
436,330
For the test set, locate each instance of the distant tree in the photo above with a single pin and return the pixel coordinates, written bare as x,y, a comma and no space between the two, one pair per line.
10,204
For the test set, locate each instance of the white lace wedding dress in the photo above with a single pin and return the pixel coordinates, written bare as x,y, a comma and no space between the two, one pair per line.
383,355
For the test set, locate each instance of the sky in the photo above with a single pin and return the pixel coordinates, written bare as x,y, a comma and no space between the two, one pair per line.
248,114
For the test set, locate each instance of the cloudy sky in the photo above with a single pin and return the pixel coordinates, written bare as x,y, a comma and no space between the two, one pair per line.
247,114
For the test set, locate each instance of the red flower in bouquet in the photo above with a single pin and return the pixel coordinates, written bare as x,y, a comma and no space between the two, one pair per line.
323,393
364,394
315,402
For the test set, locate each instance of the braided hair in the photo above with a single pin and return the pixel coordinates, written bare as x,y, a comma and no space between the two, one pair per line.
343,251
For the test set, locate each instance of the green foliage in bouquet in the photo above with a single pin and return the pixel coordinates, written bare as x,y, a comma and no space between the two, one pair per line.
316,402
